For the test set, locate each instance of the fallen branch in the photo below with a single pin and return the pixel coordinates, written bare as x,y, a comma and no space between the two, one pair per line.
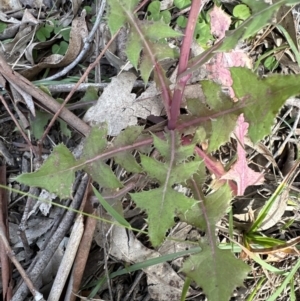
42,99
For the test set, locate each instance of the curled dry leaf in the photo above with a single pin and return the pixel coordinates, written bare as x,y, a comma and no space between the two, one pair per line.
17,46
78,33
21,96
37,46
20,31
276,211
272,218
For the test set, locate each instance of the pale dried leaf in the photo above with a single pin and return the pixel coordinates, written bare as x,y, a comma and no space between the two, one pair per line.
149,103
9,32
37,226
2,81
113,106
7,19
21,33
75,6
165,4
29,19
285,14
163,281
17,46
193,91
278,257
118,108
44,206
17,98
6,5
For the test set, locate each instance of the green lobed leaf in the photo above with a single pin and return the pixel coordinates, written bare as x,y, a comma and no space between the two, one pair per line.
88,9
38,123
181,153
219,128
60,48
161,205
119,12
147,35
200,135
64,128
146,67
181,21
216,271
158,170
166,16
182,3
66,34
101,173
263,98
58,28
203,34
153,10
241,11
271,63
133,48
163,147
159,30
223,125
164,203
116,17
40,35
212,209
91,93
162,51
200,176
56,175
126,159
159,51
44,32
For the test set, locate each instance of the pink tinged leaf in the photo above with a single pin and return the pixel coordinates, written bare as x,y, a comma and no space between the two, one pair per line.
220,22
218,67
215,167
240,172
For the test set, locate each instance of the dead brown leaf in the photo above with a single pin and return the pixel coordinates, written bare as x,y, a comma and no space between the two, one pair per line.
78,33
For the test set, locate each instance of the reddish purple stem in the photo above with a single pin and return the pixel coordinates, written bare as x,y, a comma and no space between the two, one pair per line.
183,61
